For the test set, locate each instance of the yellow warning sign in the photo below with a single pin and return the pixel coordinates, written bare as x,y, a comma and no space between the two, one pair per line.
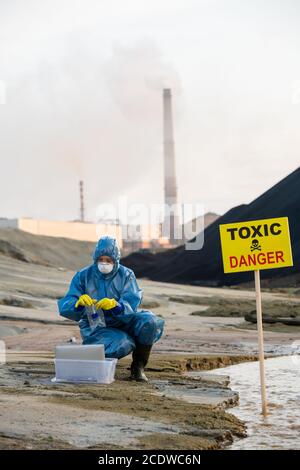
257,244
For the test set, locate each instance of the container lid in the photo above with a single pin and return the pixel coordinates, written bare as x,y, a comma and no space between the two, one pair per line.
88,352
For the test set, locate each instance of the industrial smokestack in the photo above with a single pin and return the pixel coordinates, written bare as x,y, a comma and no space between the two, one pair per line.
171,220
81,201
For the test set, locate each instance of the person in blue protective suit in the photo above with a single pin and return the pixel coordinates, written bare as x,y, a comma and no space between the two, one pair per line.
113,288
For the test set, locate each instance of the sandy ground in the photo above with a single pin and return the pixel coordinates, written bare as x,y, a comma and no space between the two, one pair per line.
36,413
172,411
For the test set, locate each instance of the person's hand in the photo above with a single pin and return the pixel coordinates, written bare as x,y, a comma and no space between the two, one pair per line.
106,304
85,301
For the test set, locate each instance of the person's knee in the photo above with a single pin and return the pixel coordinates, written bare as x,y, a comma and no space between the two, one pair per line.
126,348
117,343
119,349
148,330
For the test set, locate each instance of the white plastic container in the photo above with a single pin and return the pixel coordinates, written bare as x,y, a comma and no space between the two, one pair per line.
73,370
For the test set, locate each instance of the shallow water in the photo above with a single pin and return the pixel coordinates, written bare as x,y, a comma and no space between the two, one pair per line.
6,330
281,428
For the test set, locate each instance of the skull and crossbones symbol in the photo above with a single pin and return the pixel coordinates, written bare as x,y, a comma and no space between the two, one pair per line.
255,245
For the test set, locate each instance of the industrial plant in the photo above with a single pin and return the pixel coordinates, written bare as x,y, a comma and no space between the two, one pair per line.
167,233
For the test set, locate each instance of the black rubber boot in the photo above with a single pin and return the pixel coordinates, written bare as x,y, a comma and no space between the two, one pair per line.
140,357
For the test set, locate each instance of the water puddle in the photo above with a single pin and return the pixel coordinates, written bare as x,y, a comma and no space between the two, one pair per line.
281,428
6,330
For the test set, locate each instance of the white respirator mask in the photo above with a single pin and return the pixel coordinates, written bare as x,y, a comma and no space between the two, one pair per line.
105,268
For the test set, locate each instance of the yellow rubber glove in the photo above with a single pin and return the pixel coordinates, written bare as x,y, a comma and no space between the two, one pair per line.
85,300
106,304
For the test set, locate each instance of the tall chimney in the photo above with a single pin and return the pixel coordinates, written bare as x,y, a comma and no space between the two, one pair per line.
81,201
171,220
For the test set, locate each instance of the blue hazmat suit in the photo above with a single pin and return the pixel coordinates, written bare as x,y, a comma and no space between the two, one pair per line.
125,324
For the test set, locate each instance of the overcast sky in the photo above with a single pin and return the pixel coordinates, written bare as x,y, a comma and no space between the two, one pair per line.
83,86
